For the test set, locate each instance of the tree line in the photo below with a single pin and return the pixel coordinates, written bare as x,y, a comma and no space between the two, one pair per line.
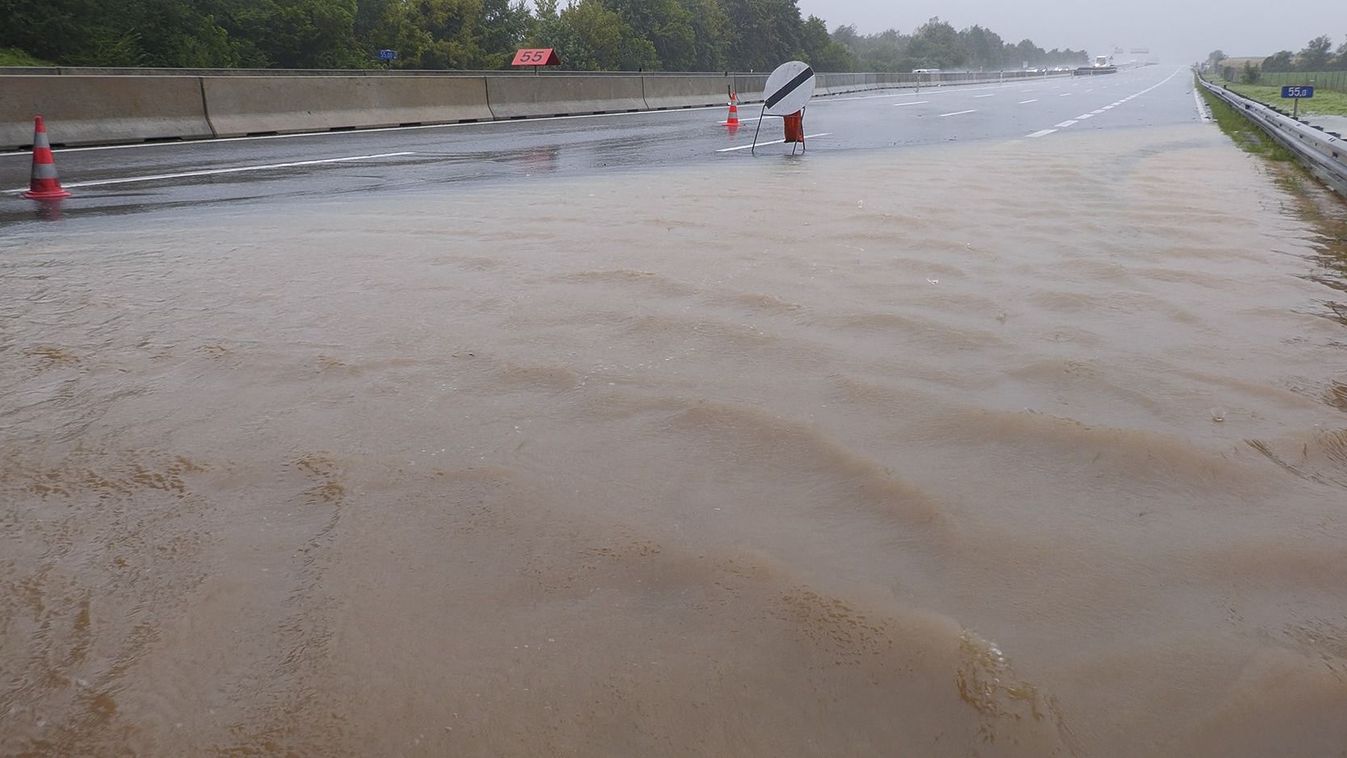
670,35
1317,55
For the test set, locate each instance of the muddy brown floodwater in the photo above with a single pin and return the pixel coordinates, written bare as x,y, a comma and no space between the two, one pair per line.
1021,449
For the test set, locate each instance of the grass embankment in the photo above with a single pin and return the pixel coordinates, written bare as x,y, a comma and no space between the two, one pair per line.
1250,138
12,56
1324,102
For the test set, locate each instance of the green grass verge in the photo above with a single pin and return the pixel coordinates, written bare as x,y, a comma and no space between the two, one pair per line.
1324,102
1248,137
12,56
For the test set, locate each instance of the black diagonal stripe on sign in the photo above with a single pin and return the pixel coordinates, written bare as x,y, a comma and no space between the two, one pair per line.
790,87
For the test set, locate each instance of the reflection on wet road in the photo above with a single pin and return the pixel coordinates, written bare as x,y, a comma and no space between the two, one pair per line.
460,156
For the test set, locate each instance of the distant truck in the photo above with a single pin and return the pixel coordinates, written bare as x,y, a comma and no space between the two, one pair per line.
1103,64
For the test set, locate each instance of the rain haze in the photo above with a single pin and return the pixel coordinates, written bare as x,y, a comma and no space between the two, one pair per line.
1175,32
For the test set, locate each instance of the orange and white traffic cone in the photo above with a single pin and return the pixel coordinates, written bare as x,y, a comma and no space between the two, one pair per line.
733,120
43,184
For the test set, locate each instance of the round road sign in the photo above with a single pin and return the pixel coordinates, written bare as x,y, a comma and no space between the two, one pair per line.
789,88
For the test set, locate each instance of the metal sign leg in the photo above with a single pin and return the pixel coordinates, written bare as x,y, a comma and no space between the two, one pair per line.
761,116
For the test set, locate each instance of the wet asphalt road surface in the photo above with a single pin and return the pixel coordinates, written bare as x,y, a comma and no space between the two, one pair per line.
134,178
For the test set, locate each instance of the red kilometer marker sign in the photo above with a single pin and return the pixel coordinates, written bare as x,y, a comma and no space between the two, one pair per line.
541,57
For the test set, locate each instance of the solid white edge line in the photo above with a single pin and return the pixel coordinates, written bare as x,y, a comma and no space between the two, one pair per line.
375,130
217,171
914,102
773,142
1203,112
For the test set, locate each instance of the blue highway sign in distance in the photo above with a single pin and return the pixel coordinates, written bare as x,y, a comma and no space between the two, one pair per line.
388,55
1297,92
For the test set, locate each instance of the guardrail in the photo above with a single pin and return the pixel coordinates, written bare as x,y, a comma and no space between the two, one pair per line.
116,105
1323,153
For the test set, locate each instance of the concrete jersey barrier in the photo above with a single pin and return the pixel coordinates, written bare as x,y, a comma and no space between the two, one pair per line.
750,87
534,96
240,105
83,110
686,91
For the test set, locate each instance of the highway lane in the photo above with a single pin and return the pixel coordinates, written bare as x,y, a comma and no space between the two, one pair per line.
140,177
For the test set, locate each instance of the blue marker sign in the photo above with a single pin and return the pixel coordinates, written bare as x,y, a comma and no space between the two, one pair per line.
388,55
1297,92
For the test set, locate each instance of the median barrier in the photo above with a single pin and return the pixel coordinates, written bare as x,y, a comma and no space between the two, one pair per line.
664,92
29,70
532,96
101,109
240,105
839,84
750,87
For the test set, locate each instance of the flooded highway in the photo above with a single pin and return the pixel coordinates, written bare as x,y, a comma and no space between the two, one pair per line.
1002,448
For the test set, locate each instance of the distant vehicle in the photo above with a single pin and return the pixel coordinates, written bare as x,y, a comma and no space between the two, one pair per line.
925,70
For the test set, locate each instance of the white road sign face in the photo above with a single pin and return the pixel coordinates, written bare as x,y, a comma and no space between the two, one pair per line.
789,88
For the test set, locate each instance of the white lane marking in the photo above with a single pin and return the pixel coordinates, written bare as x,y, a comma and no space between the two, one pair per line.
773,142
743,121
1202,111
977,96
1026,102
1080,118
217,171
1096,112
1041,133
957,113
914,102
1065,94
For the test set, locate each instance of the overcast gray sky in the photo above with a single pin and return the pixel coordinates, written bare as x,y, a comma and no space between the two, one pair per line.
1179,31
